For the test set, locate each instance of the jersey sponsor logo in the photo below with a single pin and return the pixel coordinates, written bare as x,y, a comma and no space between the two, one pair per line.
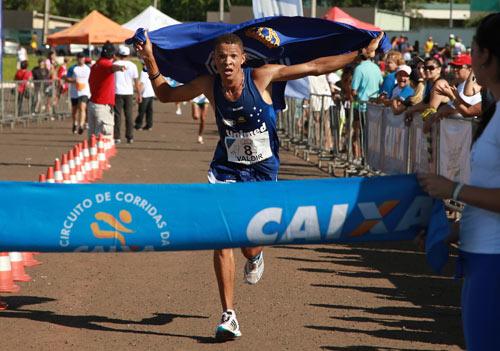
242,134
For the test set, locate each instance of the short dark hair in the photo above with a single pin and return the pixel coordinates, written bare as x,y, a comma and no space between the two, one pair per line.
108,50
24,64
228,38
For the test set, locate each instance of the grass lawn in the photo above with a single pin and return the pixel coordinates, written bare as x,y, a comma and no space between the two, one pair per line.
9,65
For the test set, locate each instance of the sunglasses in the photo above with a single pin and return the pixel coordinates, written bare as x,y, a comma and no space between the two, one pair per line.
458,68
430,68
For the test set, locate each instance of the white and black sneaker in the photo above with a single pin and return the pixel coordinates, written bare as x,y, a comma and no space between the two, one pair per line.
228,328
254,268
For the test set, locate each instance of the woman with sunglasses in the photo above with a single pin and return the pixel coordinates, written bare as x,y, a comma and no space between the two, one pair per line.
432,75
479,232
448,99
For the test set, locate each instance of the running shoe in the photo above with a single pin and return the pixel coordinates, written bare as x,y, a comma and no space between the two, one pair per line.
80,130
200,140
228,328
254,268
178,112
74,129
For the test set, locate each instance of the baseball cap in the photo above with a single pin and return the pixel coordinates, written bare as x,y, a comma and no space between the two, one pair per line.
452,35
123,50
404,68
461,60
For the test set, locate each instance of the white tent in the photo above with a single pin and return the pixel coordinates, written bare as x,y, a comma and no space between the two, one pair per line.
151,19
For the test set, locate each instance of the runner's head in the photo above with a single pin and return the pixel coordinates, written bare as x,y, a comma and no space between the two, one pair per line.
228,55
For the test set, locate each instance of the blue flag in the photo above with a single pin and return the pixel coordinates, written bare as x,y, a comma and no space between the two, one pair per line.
184,51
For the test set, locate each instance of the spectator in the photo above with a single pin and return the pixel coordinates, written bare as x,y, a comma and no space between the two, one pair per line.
102,92
428,46
479,228
450,99
392,61
403,91
22,55
418,84
452,40
78,75
365,86
41,85
22,78
432,74
321,101
146,104
459,47
125,82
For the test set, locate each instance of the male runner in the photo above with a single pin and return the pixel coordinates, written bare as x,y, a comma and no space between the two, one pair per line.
248,146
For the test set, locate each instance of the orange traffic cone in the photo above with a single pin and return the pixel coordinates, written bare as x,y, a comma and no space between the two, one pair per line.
6,279
65,169
87,164
101,155
72,167
42,178
93,157
17,265
50,175
29,260
78,164
58,176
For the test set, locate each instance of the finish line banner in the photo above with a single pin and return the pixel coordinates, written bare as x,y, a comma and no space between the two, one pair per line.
166,217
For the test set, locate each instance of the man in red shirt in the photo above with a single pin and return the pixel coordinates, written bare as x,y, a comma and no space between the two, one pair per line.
102,90
23,76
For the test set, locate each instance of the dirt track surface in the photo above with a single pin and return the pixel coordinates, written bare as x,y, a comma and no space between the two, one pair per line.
330,297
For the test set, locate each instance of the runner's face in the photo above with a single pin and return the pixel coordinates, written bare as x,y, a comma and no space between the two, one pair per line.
228,60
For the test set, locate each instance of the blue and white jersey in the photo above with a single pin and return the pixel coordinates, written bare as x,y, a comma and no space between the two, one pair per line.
248,146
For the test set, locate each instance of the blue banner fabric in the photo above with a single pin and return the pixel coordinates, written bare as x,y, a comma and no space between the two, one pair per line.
184,51
167,217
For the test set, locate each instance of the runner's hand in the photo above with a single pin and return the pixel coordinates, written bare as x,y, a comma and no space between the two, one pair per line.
144,49
436,186
369,51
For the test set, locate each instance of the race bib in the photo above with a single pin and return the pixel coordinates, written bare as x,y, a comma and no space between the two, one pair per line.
248,150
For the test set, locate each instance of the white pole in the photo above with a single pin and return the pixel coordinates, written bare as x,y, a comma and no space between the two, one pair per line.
221,10
46,21
313,8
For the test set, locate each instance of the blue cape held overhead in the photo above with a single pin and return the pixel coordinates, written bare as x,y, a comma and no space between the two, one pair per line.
184,51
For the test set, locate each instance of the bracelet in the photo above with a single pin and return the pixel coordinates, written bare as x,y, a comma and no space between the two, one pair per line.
154,76
456,191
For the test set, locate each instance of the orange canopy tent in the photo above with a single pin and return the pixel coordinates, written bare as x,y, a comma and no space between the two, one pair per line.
337,15
93,29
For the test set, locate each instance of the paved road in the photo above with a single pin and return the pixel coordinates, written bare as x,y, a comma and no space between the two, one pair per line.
330,297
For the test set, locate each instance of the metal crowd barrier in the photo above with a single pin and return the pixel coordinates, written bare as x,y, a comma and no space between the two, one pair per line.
22,102
388,146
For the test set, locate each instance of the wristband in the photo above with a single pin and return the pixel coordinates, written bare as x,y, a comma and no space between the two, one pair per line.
456,191
154,76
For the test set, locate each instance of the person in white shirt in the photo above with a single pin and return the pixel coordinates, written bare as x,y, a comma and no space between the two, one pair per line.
125,81
146,105
479,227
79,92
22,55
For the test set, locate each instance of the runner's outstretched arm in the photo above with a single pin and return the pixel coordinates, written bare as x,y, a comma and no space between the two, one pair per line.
272,73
